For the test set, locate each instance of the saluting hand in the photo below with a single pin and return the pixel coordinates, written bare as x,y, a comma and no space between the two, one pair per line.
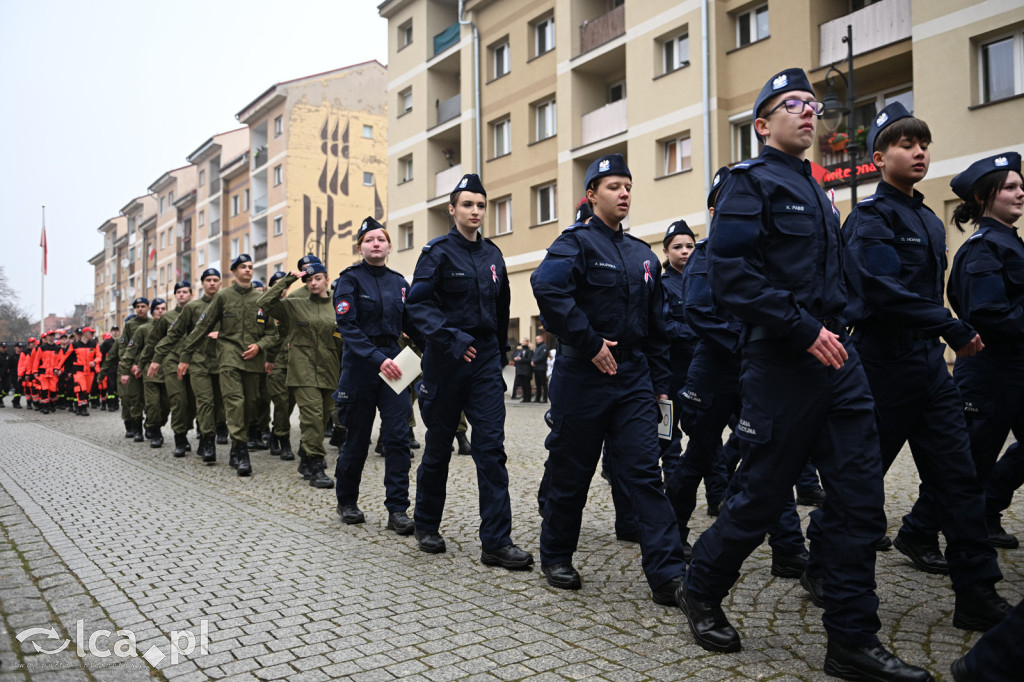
828,350
973,347
604,360
390,369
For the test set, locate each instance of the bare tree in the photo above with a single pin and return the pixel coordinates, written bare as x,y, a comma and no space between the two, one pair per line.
14,322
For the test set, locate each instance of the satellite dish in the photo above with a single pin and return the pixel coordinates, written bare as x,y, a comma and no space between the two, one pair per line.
124,262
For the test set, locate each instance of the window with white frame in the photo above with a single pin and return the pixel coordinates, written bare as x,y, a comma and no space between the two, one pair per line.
368,179
405,34
547,200
676,153
234,205
752,26
202,218
405,101
744,140
202,177
502,210
405,236
279,125
163,241
162,199
170,199
547,124
234,248
278,175
245,243
278,229
676,52
368,132
1001,67
500,59
405,169
245,200
543,36
501,131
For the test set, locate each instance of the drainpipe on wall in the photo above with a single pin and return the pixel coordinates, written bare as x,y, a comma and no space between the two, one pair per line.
706,94
477,131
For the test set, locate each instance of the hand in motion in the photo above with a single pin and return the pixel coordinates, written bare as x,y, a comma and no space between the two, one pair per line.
182,368
468,355
153,368
604,360
252,351
828,350
390,369
973,347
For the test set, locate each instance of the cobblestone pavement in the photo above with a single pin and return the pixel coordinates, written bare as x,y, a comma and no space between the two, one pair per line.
100,533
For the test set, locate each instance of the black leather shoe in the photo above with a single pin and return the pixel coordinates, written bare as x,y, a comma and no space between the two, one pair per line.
351,514
925,555
141,432
997,537
413,443
870,663
960,672
509,556
129,428
563,576
665,594
181,445
979,607
401,523
244,467
431,543
815,589
210,453
810,498
286,448
222,434
882,544
156,438
379,447
628,536
714,508
317,477
464,446
687,551
789,565
708,624
233,456
275,445
303,464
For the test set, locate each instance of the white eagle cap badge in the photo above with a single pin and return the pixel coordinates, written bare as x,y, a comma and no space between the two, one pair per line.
604,165
880,121
714,183
1001,161
780,81
363,226
464,182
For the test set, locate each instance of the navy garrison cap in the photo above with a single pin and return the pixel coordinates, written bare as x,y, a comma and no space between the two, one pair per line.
886,117
140,299
963,182
583,211
470,183
609,164
789,80
306,260
312,269
677,228
242,258
183,284
158,301
258,284
276,276
209,272
370,224
716,184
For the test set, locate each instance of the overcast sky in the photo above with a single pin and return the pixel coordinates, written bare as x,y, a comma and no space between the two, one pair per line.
101,98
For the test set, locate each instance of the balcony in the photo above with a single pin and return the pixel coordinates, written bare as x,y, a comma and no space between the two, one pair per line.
449,109
445,181
606,27
214,186
446,38
259,156
877,25
214,228
259,252
259,205
603,123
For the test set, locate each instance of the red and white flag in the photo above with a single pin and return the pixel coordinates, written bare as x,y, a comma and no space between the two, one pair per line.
42,243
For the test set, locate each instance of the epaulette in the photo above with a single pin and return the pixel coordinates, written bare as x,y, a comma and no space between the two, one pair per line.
354,265
578,223
627,234
435,240
494,245
868,201
977,234
700,242
747,165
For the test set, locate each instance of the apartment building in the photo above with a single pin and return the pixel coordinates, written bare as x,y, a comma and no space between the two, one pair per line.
528,93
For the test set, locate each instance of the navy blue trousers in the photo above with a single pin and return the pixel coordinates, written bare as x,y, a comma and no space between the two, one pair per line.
589,408
794,408
998,655
365,393
449,388
917,402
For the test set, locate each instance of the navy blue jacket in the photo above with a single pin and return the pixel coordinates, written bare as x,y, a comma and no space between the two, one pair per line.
369,301
673,285
775,250
895,264
460,291
701,315
596,283
986,284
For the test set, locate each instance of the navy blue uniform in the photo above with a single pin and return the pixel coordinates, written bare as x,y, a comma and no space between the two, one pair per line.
775,264
998,655
369,302
460,298
895,262
596,283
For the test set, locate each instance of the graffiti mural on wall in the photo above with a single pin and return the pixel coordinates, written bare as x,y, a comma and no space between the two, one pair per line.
318,232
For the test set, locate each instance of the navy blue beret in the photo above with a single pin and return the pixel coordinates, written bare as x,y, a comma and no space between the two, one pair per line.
276,277
470,183
257,284
609,164
130,317
312,269
886,117
140,299
369,224
963,182
242,258
158,301
306,260
209,272
183,284
716,184
677,228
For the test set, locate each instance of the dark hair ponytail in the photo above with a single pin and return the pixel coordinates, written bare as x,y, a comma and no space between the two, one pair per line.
983,192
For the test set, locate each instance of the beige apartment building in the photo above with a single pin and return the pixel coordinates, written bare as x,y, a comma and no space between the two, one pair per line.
307,165
528,92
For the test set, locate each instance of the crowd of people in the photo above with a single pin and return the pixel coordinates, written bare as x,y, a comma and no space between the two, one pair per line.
818,347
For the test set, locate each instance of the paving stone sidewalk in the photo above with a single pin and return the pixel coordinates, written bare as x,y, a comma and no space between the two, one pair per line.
118,536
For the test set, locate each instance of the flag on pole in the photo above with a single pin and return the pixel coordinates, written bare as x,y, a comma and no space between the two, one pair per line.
42,243
152,252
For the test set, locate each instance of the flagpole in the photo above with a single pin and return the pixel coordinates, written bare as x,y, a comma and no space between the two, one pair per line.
42,281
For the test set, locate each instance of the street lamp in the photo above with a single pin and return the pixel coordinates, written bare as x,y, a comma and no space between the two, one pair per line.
835,111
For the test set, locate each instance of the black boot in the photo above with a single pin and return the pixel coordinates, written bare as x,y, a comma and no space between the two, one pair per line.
156,437
317,477
244,467
222,434
338,436
181,446
209,449
129,428
979,607
113,404
286,448
255,441
141,432
233,458
83,410
464,447
303,464
413,443
16,403
95,403
275,446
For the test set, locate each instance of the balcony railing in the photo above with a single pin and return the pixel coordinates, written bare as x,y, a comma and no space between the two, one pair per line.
259,156
446,38
449,109
214,186
259,252
874,26
259,205
602,29
215,228
604,122
445,181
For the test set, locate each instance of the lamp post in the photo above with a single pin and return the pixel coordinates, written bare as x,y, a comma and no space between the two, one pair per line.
833,106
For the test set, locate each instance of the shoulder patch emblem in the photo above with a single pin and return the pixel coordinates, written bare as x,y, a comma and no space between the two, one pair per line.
343,307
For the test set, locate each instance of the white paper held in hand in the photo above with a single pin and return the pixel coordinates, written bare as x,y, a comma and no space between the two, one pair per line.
409,363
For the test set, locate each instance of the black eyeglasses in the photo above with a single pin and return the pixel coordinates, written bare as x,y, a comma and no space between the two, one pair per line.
796,106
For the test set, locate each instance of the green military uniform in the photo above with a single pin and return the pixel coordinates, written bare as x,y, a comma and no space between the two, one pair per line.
179,393
277,388
131,394
153,389
313,361
236,310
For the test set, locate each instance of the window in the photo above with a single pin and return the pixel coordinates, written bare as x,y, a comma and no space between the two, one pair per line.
234,208
202,218
279,125
502,132
161,204
500,59
278,174
405,101
676,52
202,178
170,200
234,249
1001,63
245,200
546,122
163,275
547,197
502,216
278,229
368,179
405,169
163,240
368,132
405,236
616,91
677,155
744,140
752,26
245,243
543,36
405,34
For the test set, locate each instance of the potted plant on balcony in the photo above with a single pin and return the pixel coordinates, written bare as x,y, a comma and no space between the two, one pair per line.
838,140
860,136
